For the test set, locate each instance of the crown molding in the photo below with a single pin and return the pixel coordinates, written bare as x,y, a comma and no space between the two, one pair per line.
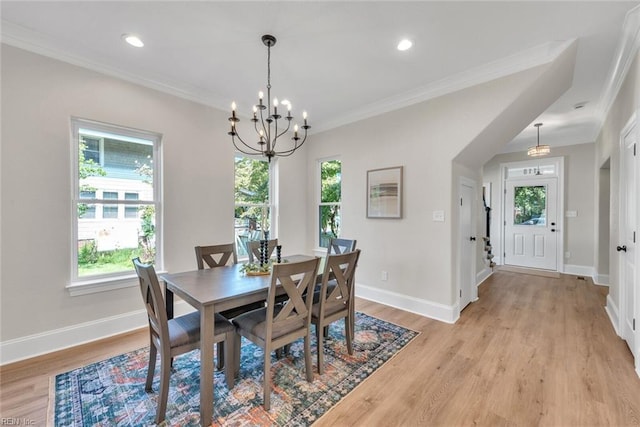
23,38
520,61
624,56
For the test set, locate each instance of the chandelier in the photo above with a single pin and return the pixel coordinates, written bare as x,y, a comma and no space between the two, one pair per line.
538,150
267,121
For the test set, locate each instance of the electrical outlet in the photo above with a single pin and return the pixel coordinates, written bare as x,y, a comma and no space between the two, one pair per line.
567,255
384,276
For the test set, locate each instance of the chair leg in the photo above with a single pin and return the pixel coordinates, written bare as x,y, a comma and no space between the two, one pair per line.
230,368
348,332
165,372
220,355
308,366
320,340
237,352
267,380
153,352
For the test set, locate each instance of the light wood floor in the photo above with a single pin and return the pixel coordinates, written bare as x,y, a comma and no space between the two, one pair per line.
531,351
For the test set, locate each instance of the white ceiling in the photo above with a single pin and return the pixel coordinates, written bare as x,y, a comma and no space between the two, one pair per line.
337,60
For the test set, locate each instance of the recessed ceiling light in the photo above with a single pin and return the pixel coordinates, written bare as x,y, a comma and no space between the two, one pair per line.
405,44
133,40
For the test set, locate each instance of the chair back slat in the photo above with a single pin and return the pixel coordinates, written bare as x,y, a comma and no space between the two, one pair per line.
297,279
341,269
341,246
253,248
216,255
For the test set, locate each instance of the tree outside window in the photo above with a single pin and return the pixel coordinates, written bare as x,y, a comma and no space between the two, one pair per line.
252,202
330,201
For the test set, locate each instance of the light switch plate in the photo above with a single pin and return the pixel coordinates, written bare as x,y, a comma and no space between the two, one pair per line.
438,216
571,214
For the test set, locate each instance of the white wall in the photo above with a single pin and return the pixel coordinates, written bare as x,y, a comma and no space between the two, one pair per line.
39,95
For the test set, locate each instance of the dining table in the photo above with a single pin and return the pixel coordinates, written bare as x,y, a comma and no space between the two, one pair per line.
211,291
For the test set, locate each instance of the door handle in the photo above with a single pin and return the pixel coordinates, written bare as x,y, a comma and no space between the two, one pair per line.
553,230
622,248
473,239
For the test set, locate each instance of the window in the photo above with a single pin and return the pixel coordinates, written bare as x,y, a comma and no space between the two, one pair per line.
116,199
253,208
330,198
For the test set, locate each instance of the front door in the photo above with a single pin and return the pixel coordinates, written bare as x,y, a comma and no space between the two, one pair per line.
531,223
627,245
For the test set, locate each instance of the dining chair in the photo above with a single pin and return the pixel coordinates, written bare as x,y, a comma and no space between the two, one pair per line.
173,337
340,246
219,256
253,248
276,324
216,255
335,302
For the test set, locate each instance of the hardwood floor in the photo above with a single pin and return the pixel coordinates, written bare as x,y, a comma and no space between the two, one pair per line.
531,351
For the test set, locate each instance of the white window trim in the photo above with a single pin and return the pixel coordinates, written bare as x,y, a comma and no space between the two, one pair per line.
83,286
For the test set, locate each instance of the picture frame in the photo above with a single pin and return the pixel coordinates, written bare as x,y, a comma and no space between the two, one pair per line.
384,193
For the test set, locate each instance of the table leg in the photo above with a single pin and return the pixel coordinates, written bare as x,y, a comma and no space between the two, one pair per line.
168,301
206,364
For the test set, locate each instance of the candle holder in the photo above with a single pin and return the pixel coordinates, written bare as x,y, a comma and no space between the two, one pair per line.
279,254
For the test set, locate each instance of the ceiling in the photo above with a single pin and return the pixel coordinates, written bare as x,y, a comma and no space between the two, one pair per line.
337,60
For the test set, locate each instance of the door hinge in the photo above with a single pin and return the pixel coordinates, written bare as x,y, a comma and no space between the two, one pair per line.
460,201
505,191
634,148
634,324
504,255
460,293
634,237
505,223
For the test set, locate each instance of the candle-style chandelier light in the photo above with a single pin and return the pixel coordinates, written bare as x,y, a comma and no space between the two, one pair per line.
266,122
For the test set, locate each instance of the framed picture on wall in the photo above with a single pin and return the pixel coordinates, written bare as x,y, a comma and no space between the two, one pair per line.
384,193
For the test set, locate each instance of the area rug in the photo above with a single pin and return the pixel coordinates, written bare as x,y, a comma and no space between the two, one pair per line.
111,392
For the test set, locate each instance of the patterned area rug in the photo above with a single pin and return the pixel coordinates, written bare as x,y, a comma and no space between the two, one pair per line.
111,392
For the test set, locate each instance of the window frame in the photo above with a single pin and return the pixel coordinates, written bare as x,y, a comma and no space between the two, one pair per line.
320,203
271,202
97,283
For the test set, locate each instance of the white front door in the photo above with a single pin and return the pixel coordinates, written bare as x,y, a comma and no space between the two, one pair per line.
466,266
531,230
627,245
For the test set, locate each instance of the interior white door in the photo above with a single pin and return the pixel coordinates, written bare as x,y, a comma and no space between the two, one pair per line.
627,247
531,230
467,246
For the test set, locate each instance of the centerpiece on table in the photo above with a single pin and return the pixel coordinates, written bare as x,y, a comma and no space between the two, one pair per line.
263,267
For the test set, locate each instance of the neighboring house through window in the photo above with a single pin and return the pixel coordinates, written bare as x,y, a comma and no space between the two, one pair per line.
116,199
329,205
253,204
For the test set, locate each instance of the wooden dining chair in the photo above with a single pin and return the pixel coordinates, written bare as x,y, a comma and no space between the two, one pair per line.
335,300
216,255
172,337
219,256
253,248
277,324
340,246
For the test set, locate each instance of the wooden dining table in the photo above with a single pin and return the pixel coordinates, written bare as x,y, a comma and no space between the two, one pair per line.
211,291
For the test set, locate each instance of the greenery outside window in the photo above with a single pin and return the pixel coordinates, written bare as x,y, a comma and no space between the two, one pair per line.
330,201
253,206
116,200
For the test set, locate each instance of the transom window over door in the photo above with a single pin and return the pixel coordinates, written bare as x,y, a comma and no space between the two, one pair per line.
253,205
116,199
330,201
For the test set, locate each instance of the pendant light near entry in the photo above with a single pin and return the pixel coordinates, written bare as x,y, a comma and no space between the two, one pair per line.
538,150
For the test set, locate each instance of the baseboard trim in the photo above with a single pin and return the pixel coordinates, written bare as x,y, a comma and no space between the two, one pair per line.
580,270
483,275
432,310
612,311
601,279
59,339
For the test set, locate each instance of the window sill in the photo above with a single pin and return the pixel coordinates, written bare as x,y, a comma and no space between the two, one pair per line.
86,287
